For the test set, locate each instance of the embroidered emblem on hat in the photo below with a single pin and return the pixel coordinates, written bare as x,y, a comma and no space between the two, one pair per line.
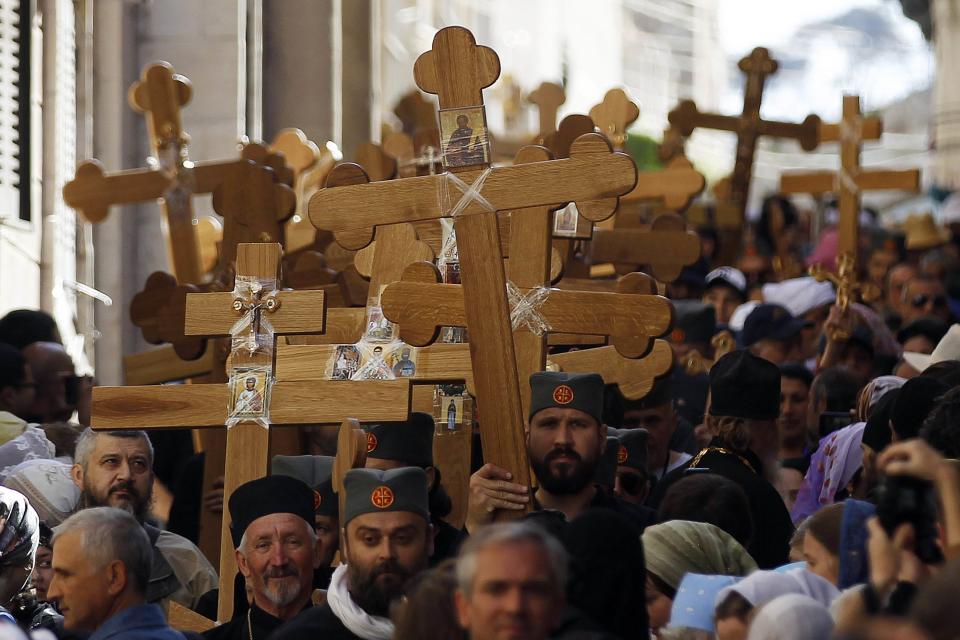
317,499
382,497
563,394
371,442
621,454
678,335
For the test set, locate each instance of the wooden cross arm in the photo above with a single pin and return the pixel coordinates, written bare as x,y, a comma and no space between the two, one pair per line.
685,117
436,364
871,128
92,191
819,182
205,405
593,177
631,318
677,185
212,314
807,133
666,246
635,377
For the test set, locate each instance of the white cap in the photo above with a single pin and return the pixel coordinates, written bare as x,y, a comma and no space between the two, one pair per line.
739,316
729,276
799,295
950,211
947,349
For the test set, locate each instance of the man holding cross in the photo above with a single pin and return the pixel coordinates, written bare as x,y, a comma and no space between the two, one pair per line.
565,440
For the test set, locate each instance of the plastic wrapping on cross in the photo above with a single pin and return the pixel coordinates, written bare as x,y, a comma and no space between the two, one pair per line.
173,162
525,308
252,339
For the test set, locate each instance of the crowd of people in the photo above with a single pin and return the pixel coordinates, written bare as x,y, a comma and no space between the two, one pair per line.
795,477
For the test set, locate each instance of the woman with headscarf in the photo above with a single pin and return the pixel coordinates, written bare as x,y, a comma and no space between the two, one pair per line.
835,546
792,617
677,547
735,604
832,468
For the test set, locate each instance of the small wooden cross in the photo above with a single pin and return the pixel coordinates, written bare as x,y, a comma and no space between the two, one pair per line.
290,402
614,114
457,70
548,97
849,183
748,126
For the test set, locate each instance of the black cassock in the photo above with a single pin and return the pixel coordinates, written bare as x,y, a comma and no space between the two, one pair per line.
255,622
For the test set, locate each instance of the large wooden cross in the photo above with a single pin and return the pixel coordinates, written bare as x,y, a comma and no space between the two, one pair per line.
457,70
290,402
748,126
547,97
849,183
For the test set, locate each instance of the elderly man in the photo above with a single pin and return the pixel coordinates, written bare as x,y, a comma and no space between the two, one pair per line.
115,469
565,440
510,583
101,569
744,409
276,549
386,540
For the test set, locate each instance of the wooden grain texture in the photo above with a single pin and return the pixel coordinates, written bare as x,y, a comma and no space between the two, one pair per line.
183,619
635,377
665,247
212,314
301,153
593,177
676,185
820,182
344,325
452,454
436,363
156,366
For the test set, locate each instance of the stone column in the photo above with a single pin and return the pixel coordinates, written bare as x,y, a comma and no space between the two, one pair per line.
946,93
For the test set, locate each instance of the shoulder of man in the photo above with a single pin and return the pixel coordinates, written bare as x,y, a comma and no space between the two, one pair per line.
235,628
191,567
312,622
639,515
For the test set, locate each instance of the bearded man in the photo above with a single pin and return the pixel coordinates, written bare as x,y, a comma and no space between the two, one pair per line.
115,469
565,441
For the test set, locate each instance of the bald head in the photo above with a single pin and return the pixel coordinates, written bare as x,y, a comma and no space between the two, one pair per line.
55,399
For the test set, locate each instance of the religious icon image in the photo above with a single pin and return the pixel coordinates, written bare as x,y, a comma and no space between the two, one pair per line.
565,221
451,273
379,329
452,408
403,361
248,393
463,137
346,361
375,367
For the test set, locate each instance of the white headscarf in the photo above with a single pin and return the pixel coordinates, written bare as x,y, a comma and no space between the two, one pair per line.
799,295
29,445
48,486
792,617
761,587
350,614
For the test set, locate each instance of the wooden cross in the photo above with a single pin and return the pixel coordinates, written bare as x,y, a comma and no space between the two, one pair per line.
849,183
631,317
748,126
548,97
291,402
457,70
614,114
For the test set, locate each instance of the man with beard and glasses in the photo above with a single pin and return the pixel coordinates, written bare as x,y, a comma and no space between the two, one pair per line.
744,408
115,469
386,540
391,445
271,524
565,440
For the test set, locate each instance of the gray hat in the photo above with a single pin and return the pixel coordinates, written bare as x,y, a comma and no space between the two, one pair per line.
583,391
315,472
375,491
632,448
409,442
607,469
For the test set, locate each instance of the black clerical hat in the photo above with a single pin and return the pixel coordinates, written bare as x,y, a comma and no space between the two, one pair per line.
266,496
694,322
409,442
745,386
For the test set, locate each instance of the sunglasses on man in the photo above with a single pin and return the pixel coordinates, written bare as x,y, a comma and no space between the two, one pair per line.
919,301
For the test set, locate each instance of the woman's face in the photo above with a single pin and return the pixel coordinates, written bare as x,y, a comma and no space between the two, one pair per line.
42,572
819,560
658,606
731,628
